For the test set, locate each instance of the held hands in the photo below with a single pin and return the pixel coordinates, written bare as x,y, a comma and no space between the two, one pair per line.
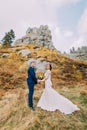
39,81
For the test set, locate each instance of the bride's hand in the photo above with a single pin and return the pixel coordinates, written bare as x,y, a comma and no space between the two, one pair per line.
42,80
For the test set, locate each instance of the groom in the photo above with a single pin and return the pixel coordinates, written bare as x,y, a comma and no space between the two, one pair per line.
31,81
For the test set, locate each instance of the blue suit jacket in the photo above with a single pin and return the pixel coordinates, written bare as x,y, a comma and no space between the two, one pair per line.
31,76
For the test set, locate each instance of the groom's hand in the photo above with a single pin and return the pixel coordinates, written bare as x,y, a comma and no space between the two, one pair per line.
38,81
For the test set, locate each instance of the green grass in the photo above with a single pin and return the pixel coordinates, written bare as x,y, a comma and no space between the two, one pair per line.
83,99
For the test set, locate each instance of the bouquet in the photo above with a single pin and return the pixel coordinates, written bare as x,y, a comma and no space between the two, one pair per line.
41,76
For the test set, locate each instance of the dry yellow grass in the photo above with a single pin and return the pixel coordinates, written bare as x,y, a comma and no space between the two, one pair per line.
21,117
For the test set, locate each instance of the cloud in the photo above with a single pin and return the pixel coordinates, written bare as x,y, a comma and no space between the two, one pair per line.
56,36
62,39
21,14
59,3
68,33
82,25
81,41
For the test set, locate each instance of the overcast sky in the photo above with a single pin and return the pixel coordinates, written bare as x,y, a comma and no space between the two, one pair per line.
66,18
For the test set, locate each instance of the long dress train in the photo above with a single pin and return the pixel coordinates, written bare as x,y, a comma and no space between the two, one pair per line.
52,100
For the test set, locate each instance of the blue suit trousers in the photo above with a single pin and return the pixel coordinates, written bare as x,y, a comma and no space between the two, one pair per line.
30,94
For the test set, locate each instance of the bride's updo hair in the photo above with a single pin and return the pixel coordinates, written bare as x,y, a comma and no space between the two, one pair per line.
50,66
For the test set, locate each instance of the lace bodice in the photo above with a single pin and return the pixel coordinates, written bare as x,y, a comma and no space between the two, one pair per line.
48,82
48,75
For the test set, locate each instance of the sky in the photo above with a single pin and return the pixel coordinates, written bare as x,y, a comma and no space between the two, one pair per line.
67,20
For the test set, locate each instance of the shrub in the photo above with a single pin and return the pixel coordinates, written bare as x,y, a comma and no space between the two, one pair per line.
78,75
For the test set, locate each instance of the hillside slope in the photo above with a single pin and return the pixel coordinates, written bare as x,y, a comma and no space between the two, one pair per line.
69,78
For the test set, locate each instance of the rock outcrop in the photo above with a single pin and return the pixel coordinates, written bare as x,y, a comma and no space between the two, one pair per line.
24,52
4,55
80,53
40,66
41,36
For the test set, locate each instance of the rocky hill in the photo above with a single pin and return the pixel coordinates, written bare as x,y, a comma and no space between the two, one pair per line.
69,78
41,36
80,53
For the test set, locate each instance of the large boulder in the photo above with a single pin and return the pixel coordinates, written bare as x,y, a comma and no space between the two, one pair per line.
41,36
24,52
40,65
4,55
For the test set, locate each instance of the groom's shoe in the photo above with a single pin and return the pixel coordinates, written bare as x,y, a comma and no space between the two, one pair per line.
32,108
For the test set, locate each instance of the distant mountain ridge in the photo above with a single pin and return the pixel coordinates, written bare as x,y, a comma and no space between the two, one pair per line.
80,53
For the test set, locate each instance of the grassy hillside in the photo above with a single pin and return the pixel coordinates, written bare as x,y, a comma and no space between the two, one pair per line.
69,78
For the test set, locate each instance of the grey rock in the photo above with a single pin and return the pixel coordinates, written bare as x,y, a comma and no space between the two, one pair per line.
4,55
80,53
41,36
29,61
40,65
24,52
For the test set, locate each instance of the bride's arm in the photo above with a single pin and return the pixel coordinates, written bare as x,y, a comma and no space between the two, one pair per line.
43,79
46,77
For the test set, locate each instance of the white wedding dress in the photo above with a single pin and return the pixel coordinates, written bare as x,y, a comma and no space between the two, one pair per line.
52,100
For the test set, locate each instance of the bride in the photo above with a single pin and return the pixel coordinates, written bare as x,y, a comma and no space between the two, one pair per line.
51,100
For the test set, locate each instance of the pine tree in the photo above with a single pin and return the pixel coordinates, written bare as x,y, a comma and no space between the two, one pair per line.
8,38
